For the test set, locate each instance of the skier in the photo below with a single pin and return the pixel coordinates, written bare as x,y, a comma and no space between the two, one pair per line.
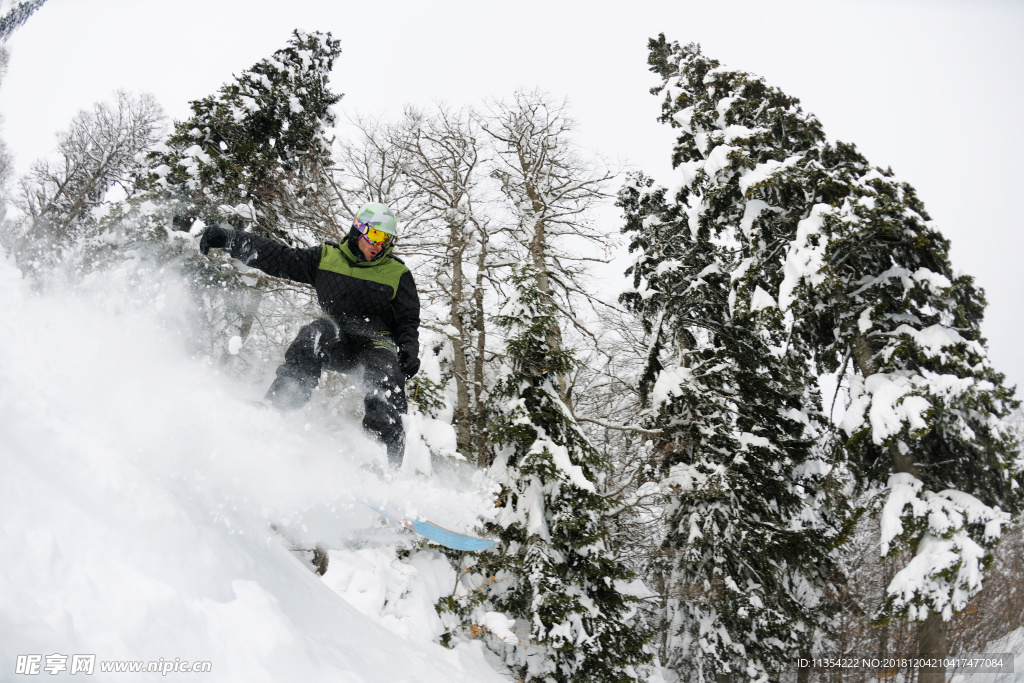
372,316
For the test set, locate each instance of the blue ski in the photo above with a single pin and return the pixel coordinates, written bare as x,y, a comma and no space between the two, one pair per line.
437,534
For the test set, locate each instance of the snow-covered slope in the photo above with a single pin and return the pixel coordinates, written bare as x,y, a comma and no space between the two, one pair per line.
145,507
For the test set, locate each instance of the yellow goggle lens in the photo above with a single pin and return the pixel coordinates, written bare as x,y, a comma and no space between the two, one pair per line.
372,235
377,236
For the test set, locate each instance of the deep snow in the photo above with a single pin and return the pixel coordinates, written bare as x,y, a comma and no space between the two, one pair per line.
147,509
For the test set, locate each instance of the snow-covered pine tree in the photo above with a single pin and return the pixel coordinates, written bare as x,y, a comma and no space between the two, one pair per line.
746,554
869,280
552,572
257,152
753,514
848,253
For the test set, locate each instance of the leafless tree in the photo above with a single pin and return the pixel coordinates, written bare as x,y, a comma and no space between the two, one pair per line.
444,162
102,150
550,190
371,167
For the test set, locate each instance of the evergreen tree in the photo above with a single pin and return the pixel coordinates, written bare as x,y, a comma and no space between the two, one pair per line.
857,272
553,572
753,510
257,152
746,553
927,420
257,155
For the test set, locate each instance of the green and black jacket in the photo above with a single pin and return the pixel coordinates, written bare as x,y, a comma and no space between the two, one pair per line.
367,298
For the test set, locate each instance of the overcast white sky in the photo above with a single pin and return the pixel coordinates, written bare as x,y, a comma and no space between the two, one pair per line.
931,88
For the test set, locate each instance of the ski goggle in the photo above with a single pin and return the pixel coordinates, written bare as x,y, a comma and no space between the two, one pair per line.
372,234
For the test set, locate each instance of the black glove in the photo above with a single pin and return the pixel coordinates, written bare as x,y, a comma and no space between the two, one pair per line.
216,236
410,364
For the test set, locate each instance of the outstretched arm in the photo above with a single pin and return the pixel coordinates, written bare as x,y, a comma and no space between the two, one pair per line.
272,257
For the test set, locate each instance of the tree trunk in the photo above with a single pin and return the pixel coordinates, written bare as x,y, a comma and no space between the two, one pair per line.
479,412
803,673
863,356
538,252
456,246
932,645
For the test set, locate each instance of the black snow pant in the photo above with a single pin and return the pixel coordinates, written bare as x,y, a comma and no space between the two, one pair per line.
324,345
